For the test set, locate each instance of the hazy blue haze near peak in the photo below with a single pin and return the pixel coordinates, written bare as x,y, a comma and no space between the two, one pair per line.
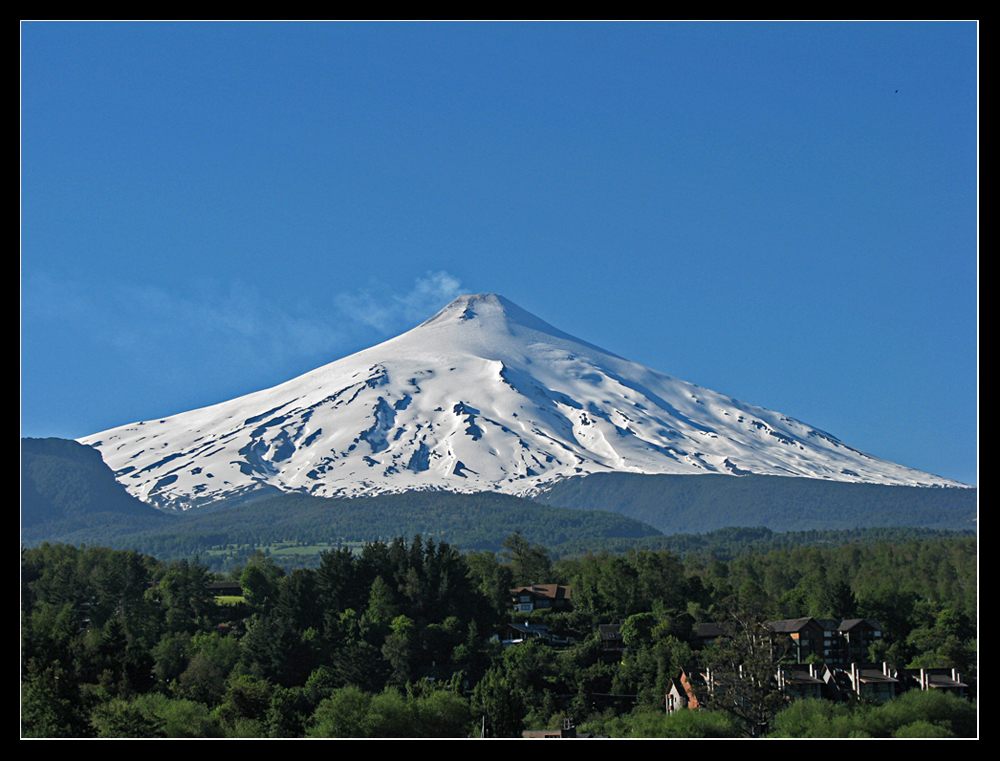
786,213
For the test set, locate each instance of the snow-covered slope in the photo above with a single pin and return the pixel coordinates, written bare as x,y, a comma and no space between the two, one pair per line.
482,396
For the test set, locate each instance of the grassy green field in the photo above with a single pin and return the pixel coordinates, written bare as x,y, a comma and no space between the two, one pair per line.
289,553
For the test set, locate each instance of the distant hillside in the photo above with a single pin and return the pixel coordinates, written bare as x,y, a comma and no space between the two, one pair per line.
467,521
679,504
67,488
470,521
69,495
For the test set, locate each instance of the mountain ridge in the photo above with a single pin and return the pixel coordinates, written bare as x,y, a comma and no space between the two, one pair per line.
482,396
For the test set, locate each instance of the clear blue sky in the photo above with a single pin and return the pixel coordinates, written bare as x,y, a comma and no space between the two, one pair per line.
783,212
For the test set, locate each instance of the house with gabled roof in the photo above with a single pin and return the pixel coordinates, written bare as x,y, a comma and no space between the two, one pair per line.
682,691
540,597
833,641
676,698
849,639
805,636
515,634
857,635
611,637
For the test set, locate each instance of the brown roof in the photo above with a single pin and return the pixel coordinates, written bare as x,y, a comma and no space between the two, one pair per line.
547,591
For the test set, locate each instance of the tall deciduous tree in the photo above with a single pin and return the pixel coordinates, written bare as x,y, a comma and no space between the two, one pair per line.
499,704
742,668
530,562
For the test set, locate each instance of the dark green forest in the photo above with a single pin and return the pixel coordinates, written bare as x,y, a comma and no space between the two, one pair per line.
396,639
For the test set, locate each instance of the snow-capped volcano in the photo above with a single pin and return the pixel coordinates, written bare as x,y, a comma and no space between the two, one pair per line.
481,397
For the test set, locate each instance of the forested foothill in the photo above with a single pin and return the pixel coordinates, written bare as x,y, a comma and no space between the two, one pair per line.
677,504
69,495
397,639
